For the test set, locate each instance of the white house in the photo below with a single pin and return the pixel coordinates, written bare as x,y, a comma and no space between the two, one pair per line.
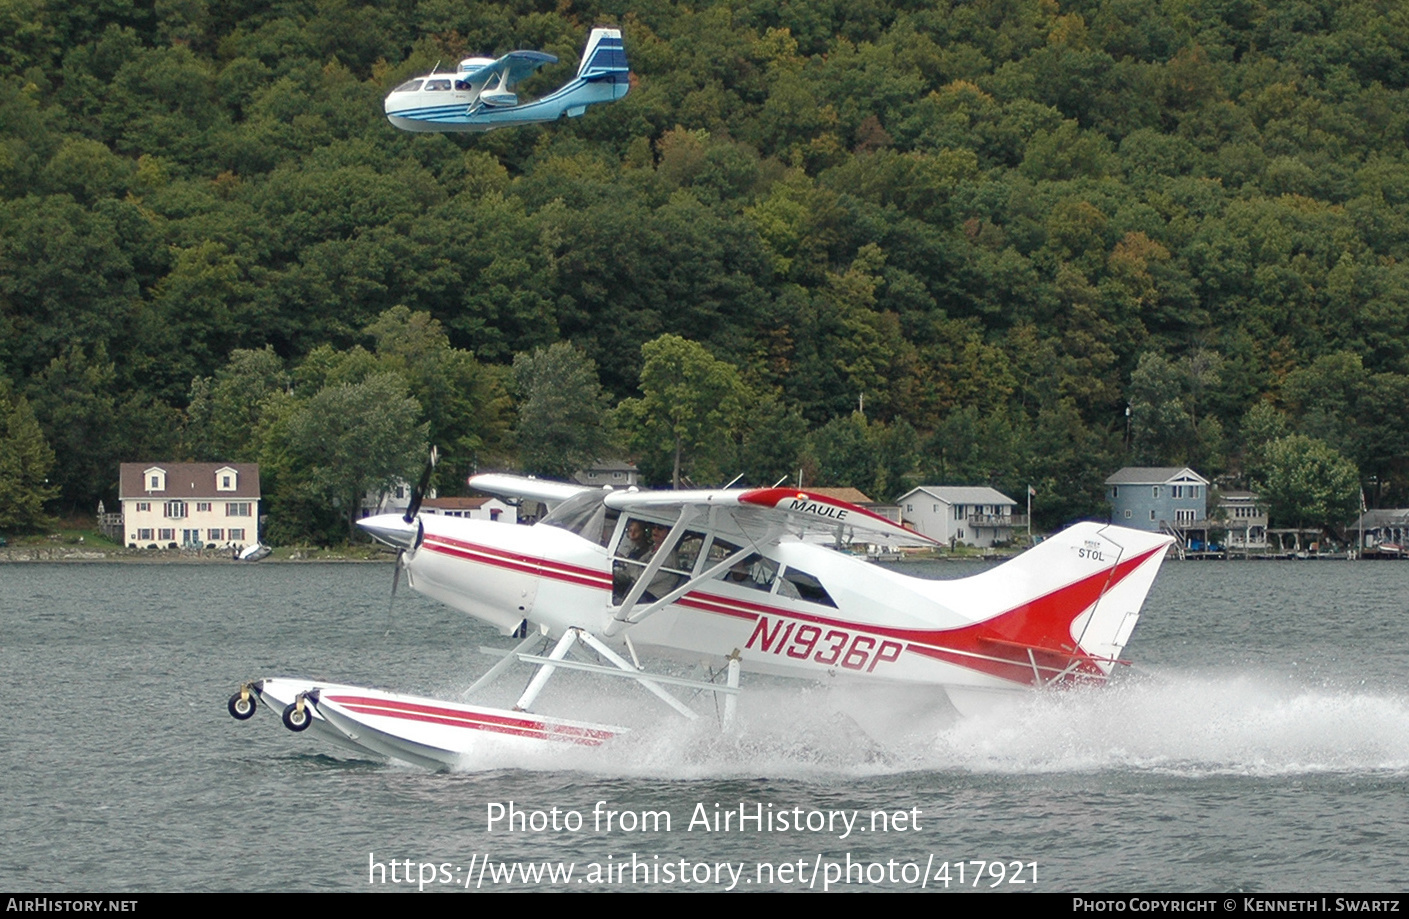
473,508
189,504
972,514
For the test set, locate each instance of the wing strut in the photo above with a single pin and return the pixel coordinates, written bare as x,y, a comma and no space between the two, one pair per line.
627,615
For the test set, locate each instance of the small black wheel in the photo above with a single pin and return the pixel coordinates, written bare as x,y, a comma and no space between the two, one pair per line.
297,719
242,706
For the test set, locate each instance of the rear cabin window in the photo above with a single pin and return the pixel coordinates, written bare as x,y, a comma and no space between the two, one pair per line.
804,586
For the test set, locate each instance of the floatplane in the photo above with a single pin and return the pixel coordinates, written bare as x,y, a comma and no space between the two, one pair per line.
479,95
731,580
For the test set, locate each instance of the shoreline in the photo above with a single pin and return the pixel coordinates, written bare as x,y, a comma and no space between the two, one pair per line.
20,555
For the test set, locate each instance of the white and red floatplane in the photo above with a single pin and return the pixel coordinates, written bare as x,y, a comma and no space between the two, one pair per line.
727,579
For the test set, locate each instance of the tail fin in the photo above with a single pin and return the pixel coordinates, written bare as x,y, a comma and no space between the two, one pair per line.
1062,610
605,59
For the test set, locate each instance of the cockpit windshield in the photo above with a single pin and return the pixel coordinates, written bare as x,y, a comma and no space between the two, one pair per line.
584,514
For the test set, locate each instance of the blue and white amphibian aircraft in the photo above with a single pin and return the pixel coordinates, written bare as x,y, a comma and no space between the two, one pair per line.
725,580
479,95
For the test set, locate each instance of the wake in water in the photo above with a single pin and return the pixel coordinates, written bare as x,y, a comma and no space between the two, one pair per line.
1179,724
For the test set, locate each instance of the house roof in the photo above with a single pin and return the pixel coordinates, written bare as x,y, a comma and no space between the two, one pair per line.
609,465
961,494
1154,475
188,481
1383,517
456,504
850,495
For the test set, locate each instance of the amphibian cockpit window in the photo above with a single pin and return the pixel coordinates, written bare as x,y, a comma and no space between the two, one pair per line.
410,86
641,541
462,86
584,514
803,586
434,86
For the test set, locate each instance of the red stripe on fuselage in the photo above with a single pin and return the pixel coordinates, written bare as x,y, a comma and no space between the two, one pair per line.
472,720
512,561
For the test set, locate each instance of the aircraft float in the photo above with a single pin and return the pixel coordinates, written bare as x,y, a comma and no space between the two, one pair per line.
479,95
732,580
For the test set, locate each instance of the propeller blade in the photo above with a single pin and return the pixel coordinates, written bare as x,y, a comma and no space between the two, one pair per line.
419,492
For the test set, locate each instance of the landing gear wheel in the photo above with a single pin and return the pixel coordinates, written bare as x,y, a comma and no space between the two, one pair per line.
297,718
242,706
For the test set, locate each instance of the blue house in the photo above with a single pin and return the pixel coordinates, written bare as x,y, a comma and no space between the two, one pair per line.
1157,497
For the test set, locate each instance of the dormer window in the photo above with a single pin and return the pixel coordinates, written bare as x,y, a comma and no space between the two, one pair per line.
226,479
155,479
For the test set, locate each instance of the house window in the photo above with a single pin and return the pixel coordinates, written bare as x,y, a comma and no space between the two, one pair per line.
1127,513
1176,491
156,484
176,509
237,509
144,507
1115,491
145,533
215,534
202,507
494,513
166,533
1184,516
237,535
1193,491
1154,492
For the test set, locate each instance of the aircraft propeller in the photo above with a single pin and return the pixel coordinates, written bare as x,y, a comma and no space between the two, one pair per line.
413,510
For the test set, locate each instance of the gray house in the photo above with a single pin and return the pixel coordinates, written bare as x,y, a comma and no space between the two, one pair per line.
1157,497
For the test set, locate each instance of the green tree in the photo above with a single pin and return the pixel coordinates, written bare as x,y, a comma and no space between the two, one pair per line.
25,461
463,401
563,418
691,405
1160,425
345,441
225,411
1309,483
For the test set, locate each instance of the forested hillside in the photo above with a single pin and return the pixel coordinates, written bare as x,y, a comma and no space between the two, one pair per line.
998,241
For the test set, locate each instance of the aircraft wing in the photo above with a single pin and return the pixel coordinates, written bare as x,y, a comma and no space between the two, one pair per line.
517,486
516,65
784,509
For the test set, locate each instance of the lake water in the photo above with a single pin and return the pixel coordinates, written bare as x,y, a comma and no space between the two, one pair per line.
1260,743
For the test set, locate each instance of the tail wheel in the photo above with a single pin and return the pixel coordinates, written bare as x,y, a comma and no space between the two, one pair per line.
242,705
297,717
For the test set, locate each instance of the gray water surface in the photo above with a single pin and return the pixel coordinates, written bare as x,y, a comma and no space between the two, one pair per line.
1260,743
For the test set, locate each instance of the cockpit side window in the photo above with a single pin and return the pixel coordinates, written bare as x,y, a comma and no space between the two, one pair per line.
434,86
410,86
462,86
752,571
